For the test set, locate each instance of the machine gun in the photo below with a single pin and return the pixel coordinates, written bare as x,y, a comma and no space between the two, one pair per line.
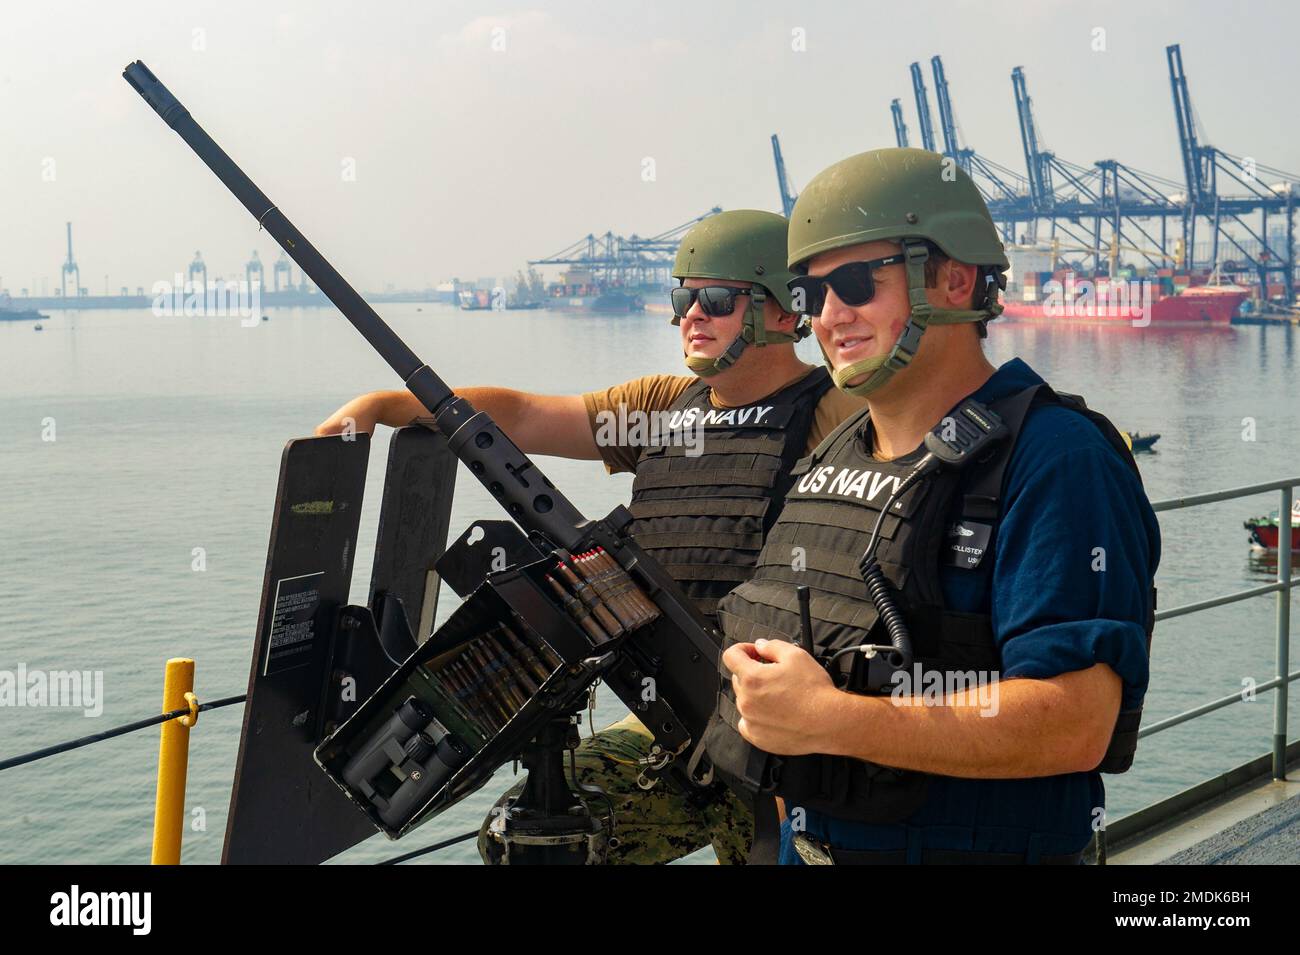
505,673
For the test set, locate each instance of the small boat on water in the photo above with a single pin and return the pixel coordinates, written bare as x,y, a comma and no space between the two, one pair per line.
1264,531
1143,442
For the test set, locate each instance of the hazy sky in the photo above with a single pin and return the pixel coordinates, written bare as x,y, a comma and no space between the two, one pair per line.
470,159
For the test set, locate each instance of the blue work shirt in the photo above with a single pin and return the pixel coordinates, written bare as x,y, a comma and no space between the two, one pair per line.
1067,493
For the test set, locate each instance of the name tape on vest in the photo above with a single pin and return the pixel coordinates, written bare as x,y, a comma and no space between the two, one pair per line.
863,484
753,416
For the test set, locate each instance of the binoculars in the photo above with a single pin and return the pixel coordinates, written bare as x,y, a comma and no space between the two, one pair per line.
404,763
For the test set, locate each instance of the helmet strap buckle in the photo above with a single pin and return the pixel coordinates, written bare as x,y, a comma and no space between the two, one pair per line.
908,342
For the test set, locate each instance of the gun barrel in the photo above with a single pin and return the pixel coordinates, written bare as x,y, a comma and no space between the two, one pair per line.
527,495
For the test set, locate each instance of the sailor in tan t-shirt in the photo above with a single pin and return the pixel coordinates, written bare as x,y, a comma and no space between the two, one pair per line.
758,408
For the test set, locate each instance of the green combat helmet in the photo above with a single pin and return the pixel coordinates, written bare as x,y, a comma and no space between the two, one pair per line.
744,245
913,197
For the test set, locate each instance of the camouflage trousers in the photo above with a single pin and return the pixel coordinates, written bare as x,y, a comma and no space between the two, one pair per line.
652,826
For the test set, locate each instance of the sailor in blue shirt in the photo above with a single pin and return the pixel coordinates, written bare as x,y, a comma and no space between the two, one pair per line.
1067,494
1065,580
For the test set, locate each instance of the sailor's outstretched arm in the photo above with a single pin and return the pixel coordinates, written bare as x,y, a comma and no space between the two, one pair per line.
538,424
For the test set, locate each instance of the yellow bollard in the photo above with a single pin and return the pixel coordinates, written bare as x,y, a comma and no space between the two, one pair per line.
173,762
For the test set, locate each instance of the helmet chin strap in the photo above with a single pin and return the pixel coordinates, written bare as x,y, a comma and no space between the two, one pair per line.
753,331
881,368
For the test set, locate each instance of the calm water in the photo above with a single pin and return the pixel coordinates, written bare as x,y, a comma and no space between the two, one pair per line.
168,437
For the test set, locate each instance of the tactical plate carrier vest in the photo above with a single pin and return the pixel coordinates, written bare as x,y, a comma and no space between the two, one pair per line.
947,518
705,497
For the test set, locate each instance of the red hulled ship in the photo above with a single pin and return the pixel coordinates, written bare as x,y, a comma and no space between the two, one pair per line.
1265,531
1103,301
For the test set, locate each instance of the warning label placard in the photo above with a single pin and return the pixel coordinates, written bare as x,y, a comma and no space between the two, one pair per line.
293,623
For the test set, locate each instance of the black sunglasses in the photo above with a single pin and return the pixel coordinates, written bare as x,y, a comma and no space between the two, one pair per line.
853,282
716,301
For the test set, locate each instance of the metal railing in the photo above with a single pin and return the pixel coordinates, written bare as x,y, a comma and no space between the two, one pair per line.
1282,586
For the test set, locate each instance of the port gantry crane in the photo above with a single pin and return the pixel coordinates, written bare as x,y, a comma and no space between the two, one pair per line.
282,267
1134,207
70,268
1202,167
947,123
783,183
1110,194
627,261
198,267
1003,189
254,267
900,127
922,108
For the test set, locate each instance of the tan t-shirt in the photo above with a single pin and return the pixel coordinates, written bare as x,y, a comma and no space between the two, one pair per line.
657,393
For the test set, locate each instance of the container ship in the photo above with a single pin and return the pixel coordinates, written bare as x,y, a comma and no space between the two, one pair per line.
477,300
581,289
608,300
1045,287
594,298
11,313
1126,301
